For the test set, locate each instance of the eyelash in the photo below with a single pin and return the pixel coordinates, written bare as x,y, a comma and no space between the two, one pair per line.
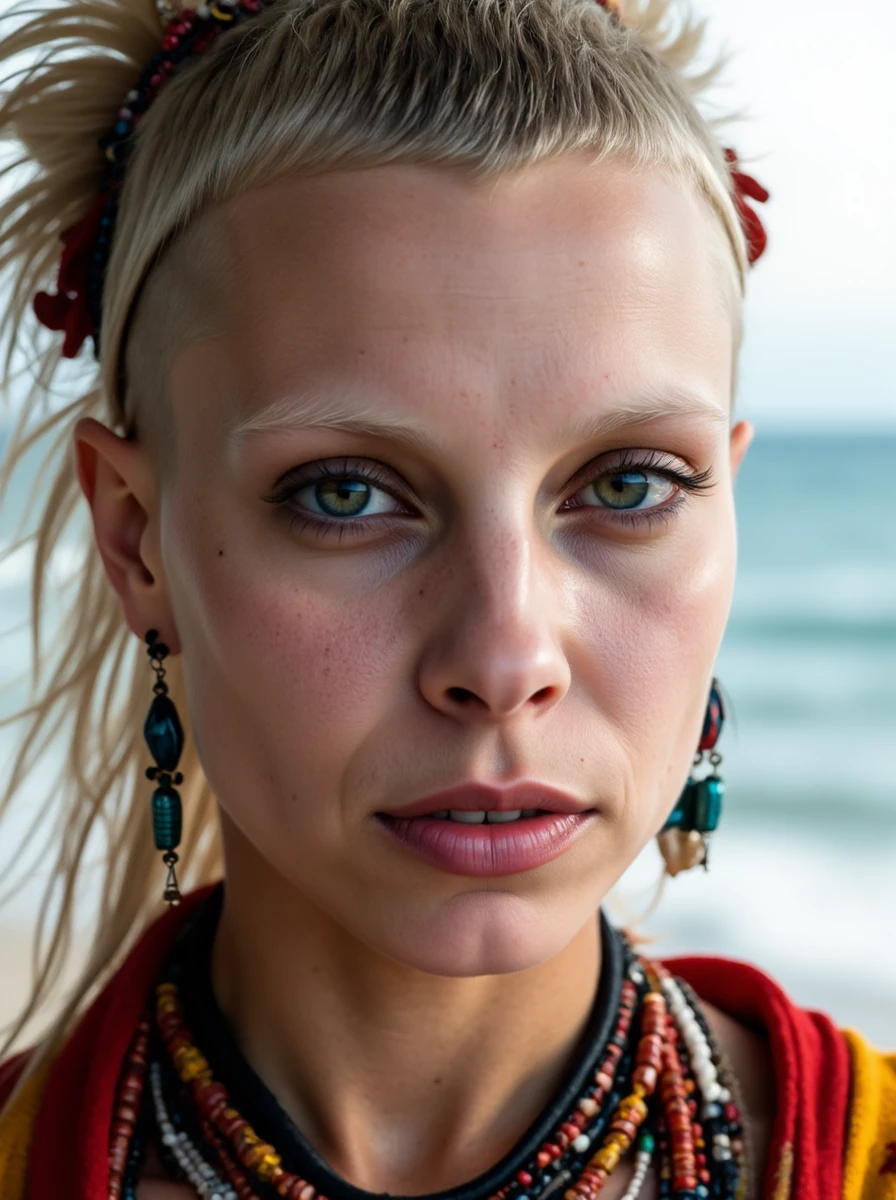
370,473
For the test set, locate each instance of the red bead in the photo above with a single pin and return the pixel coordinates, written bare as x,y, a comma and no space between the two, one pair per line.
731,1113
524,1178
543,1158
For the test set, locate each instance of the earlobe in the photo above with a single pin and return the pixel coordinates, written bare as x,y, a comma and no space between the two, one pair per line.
118,482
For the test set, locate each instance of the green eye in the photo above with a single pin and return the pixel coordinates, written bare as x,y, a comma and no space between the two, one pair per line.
345,496
342,497
626,490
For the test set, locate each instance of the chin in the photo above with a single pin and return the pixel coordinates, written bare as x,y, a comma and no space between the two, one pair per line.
484,933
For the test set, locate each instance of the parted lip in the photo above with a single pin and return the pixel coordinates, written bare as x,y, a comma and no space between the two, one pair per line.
481,797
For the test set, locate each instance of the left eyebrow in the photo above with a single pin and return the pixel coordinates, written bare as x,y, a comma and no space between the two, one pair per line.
659,405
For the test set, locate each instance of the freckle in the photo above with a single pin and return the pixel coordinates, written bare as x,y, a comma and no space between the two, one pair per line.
362,351
220,554
422,590
581,262
437,1080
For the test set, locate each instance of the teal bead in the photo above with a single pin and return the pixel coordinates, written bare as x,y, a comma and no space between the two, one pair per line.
708,807
166,818
682,814
163,733
646,1142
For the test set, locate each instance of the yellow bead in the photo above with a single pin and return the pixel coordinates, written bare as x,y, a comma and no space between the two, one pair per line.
222,16
634,1108
607,1157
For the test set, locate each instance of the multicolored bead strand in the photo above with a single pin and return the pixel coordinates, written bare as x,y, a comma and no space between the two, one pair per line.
127,1108
200,1173
656,1071
211,1098
632,1110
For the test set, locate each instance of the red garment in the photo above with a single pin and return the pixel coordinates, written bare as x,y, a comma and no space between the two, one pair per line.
68,1156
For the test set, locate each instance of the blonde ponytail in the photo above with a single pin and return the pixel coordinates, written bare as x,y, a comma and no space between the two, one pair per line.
307,85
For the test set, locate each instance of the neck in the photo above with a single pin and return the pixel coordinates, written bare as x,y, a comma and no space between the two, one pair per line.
404,1082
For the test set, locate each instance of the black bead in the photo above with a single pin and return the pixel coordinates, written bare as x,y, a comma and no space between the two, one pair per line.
163,733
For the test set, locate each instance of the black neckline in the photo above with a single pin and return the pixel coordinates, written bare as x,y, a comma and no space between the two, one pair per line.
190,964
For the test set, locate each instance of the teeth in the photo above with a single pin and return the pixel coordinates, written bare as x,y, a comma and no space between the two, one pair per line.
465,817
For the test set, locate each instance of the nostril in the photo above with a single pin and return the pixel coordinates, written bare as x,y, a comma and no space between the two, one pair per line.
461,695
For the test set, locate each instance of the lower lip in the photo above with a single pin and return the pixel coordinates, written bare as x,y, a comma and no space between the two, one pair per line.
488,850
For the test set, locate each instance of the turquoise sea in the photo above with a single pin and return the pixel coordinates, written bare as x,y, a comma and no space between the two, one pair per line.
803,868
809,656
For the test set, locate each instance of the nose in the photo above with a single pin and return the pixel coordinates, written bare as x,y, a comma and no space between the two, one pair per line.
495,646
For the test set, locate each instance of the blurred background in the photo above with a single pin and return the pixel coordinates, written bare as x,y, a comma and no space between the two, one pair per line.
803,867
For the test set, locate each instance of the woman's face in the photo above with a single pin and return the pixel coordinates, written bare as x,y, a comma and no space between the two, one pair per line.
432,521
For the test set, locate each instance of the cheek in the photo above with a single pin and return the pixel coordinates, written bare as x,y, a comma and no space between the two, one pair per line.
286,683
652,626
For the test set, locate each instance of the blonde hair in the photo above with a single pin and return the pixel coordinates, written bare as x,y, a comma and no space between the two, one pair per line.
306,86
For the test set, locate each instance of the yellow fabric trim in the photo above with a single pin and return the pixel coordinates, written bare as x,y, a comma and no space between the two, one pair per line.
871,1130
784,1173
16,1125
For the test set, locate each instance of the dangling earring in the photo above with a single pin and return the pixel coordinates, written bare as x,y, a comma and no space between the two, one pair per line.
165,739
684,839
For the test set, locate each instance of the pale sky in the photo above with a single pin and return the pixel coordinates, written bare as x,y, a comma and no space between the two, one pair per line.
816,78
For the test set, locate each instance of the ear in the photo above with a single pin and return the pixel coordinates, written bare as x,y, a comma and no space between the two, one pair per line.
119,483
741,438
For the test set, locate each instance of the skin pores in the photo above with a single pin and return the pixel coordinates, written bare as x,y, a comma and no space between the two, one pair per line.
487,616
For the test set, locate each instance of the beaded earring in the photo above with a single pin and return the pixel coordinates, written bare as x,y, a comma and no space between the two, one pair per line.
684,839
165,739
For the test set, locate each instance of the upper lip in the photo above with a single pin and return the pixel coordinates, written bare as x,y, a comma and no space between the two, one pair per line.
481,797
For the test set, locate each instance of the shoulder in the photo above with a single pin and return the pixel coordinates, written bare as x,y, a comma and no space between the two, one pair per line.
871,1129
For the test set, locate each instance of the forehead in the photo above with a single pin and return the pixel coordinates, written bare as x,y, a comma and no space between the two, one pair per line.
410,281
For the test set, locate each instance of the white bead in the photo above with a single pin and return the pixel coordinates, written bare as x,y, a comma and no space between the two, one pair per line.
725,1096
712,1093
581,1143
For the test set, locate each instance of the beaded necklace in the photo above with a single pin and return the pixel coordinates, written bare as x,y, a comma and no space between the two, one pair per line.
656,1086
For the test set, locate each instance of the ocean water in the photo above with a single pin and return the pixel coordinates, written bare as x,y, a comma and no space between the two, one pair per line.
803,867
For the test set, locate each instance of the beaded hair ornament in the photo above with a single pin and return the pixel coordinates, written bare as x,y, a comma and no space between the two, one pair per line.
76,308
